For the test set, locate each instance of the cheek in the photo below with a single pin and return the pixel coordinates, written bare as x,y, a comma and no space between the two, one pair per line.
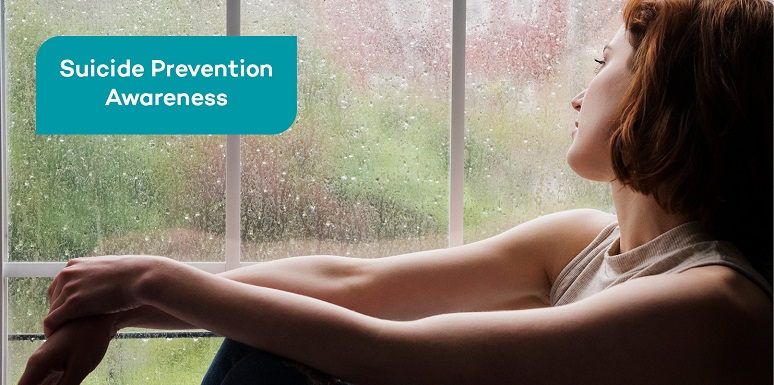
589,152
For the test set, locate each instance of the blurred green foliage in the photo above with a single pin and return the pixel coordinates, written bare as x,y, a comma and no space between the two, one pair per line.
360,164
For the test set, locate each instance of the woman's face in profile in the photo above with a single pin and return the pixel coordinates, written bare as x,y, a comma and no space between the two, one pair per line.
589,152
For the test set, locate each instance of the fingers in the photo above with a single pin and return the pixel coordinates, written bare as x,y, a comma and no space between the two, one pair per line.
65,308
57,314
90,286
62,313
34,376
52,322
58,296
52,288
62,296
73,376
54,292
56,285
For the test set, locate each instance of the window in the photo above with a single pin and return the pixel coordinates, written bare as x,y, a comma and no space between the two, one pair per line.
363,172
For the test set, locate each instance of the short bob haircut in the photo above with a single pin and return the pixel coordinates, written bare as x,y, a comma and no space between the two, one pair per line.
695,128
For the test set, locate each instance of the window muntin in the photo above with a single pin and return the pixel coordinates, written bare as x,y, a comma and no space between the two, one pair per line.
500,108
74,196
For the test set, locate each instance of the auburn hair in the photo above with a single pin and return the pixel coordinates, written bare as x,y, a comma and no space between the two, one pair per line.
695,128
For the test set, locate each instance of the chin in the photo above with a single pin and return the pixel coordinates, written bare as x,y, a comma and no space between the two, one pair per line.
598,171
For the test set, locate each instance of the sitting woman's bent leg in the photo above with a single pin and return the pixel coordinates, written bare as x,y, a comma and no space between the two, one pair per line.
239,364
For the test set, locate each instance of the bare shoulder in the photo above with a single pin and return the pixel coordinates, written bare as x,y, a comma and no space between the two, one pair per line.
556,238
577,220
511,270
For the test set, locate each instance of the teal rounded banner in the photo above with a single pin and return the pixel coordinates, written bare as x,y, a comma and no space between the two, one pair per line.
170,85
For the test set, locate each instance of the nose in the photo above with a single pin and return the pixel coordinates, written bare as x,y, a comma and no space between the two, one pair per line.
577,101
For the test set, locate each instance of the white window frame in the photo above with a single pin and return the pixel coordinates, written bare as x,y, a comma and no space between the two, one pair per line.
233,171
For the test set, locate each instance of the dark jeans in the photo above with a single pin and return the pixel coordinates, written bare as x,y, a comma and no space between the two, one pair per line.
239,364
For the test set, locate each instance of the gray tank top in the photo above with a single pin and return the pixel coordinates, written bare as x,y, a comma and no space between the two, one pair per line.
679,249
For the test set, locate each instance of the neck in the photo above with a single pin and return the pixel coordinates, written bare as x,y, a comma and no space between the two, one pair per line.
640,217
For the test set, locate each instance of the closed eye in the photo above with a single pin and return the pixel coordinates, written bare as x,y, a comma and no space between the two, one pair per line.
601,64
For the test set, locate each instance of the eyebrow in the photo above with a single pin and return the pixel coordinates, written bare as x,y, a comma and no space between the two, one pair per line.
607,47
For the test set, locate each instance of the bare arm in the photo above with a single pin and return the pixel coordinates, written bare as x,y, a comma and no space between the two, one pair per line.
705,325
513,270
708,325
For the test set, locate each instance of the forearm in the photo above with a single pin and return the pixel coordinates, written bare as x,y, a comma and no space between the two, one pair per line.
322,277
367,286
403,287
151,318
449,349
332,279
284,323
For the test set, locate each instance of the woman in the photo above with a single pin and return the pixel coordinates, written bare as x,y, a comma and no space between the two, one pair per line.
678,119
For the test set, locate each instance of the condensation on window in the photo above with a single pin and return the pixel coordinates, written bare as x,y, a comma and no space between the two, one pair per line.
363,171
75,196
159,361
525,60
27,306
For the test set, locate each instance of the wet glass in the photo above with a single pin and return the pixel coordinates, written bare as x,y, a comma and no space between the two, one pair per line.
525,61
75,196
71,196
363,171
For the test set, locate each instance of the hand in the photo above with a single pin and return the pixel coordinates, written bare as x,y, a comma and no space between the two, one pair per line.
95,286
71,353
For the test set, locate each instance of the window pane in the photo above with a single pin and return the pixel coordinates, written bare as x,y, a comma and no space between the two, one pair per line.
526,59
364,169
72,196
129,362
